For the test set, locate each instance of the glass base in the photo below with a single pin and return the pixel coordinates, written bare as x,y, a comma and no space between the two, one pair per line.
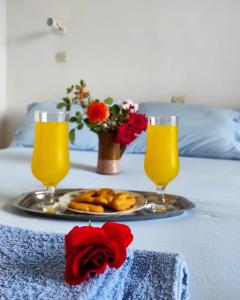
47,207
157,205
49,202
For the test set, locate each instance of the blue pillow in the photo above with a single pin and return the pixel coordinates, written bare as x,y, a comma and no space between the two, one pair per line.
204,131
24,136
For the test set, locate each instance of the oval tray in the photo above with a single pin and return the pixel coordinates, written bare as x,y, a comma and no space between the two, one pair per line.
29,203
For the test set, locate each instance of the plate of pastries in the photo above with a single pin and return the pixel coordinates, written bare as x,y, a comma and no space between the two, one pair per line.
104,201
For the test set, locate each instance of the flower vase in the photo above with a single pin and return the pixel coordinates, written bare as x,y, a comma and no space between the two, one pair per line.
109,154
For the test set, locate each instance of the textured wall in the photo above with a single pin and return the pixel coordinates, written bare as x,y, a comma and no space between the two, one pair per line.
3,74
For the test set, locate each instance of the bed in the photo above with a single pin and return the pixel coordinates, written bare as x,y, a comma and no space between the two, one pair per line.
207,236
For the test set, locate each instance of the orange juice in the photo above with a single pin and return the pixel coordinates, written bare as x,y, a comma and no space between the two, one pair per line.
50,161
161,159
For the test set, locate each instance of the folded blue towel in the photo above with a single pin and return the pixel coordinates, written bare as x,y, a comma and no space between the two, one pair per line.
157,275
32,267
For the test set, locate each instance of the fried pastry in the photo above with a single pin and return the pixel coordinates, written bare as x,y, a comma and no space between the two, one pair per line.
85,195
92,200
89,197
86,207
105,192
122,201
102,197
95,201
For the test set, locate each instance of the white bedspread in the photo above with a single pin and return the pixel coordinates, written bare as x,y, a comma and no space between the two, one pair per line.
208,236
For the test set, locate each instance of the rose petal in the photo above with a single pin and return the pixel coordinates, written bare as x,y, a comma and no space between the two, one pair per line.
98,264
118,231
75,280
98,259
105,252
125,134
74,274
86,235
138,122
78,259
120,254
85,260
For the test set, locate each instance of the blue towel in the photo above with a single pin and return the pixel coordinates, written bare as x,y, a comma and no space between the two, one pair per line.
32,267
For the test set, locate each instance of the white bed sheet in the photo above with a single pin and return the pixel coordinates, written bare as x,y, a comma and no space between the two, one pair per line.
208,236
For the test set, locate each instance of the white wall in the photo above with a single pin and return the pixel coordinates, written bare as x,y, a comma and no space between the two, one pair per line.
3,74
140,49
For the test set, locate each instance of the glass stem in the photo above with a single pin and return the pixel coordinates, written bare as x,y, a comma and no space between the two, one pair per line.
161,193
49,199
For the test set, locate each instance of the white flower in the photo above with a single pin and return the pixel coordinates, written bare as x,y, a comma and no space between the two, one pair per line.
129,105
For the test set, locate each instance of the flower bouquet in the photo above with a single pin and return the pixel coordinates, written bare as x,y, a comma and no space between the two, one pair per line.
117,125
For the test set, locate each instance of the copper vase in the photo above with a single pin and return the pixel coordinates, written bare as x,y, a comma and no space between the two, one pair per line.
109,154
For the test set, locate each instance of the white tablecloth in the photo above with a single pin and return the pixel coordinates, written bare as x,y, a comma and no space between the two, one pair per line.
208,236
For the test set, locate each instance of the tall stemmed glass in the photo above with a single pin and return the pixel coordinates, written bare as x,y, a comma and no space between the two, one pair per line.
50,160
161,158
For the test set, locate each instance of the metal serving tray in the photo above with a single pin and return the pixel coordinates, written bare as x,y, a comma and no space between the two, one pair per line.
29,203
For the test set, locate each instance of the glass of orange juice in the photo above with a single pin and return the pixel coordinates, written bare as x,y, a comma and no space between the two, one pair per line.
50,160
161,159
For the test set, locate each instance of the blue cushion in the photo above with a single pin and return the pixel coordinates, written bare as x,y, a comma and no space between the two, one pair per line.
204,131
24,136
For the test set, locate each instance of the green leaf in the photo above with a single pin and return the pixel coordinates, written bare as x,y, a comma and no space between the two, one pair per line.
61,105
70,89
83,84
108,100
68,103
66,100
115,109
78,87
78,114
73,119
72,135
68,107
80,126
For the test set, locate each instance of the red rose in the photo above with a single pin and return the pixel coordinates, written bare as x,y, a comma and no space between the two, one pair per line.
125,134
97,112
91,249
138,121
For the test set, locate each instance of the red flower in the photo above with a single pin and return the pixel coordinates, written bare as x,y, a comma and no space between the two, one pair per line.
91,249
97,112
125,134
138,121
